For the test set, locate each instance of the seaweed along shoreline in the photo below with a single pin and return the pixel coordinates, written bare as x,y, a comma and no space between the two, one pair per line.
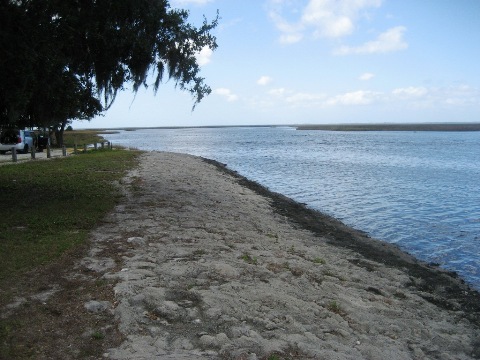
216,266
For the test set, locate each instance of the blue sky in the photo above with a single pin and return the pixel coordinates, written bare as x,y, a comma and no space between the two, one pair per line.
325,62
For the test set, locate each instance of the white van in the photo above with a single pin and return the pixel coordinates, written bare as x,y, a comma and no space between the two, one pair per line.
22,140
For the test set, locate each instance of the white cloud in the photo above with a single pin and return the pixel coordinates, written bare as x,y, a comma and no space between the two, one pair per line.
322,100
413,97
320,18
366,76
264,80
226,93
297,98
462,95
326,20
291,33
360,97
305,98
204,56
457,96
410,92
391,40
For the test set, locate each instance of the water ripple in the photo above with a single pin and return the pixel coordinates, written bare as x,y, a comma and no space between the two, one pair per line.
416,189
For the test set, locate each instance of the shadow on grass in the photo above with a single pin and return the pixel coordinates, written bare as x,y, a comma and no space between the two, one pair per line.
48,207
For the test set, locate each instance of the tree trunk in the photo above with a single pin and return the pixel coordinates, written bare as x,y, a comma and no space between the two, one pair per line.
59,133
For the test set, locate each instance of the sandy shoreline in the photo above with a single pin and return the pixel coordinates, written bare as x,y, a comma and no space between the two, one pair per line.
215,266
197,262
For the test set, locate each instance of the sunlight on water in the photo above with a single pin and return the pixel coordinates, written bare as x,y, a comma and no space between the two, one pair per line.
416,189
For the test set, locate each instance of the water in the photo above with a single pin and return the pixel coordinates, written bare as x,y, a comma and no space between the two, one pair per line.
419,190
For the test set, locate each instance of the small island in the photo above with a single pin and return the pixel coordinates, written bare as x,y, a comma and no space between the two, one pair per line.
394,127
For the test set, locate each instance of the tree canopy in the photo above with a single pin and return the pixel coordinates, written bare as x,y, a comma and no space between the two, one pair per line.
64,60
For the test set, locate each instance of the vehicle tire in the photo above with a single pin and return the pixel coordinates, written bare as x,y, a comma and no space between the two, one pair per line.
25,149
3,152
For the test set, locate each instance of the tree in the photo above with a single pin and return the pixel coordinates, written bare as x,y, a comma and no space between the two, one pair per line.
78,54
16,62
121,41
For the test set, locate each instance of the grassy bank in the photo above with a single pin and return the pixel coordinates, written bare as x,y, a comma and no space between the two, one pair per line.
81,137
48,207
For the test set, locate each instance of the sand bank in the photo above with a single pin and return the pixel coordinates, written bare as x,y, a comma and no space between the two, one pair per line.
214,266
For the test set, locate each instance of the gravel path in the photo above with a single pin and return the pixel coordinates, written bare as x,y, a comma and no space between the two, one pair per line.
7,158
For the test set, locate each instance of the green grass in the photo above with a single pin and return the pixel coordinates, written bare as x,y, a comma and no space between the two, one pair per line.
335,307
81,137
48,207
98,335
274,357
319,260
249,259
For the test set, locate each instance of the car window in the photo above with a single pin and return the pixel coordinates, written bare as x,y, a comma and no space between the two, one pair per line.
9,136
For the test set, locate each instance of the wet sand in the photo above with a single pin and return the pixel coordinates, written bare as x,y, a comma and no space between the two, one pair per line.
213,265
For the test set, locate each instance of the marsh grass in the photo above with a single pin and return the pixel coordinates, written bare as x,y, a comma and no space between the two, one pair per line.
49,207
81,137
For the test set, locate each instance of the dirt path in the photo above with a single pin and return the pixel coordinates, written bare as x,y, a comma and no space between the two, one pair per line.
7,158
197,264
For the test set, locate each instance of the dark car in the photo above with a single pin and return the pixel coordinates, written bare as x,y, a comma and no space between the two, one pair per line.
42,142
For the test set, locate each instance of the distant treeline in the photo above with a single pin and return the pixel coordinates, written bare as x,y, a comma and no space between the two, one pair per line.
394,127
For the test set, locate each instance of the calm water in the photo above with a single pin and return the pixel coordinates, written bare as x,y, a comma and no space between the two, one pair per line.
419,190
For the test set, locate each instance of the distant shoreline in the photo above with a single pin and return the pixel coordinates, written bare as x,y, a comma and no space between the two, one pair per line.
325,127
394,127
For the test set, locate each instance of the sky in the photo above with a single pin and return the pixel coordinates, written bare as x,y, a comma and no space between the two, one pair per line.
288,62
